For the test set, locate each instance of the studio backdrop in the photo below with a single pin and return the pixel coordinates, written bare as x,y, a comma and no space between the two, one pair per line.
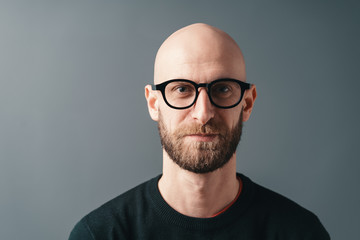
74,125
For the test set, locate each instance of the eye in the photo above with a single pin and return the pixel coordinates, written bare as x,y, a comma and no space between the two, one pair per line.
182,89
222,89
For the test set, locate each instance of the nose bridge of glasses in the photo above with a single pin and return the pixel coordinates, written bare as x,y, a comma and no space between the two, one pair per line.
203,85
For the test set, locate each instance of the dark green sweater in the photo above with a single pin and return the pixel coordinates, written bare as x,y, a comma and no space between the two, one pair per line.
258,213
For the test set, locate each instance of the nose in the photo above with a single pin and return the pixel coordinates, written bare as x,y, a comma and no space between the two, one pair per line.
203,110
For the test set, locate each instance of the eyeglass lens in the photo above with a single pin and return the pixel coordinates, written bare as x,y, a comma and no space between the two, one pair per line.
222,93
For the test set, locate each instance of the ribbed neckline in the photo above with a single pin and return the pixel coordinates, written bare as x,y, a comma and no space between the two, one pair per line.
169,215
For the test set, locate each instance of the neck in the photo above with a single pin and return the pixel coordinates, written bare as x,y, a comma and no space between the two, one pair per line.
198,195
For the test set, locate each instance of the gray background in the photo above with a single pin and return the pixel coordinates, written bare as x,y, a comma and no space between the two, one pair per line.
74,127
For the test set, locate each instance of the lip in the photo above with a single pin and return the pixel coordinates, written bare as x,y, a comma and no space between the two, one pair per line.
202,137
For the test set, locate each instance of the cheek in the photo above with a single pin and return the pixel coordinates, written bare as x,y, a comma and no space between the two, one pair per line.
230,117
172,118
179,119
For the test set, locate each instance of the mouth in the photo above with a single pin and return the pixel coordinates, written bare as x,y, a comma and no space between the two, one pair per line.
202,137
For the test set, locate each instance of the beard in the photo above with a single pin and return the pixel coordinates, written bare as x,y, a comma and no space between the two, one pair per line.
198,156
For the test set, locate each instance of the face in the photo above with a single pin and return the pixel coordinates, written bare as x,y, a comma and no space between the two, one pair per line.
194,155
201,138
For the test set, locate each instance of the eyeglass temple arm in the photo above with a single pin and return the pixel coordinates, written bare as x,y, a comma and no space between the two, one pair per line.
153,87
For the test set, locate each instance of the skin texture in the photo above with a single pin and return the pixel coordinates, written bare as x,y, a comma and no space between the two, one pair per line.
200,53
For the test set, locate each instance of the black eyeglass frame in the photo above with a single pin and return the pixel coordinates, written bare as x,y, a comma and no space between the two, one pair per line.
161,87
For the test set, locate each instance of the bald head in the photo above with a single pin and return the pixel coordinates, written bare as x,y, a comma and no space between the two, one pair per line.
199,52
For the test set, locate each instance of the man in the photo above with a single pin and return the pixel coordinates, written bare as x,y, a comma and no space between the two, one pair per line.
200,100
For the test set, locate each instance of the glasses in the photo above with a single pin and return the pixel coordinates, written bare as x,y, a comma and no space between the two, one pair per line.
182,93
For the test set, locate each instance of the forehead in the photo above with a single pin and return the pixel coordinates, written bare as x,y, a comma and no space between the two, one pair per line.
199,67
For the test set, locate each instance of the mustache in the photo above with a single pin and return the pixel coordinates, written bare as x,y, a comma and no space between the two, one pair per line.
208,128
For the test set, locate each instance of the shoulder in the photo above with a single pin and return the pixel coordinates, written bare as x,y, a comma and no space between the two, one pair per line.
120,205
115,216
282,215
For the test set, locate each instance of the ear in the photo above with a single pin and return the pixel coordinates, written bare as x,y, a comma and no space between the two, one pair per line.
249,99
152,102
